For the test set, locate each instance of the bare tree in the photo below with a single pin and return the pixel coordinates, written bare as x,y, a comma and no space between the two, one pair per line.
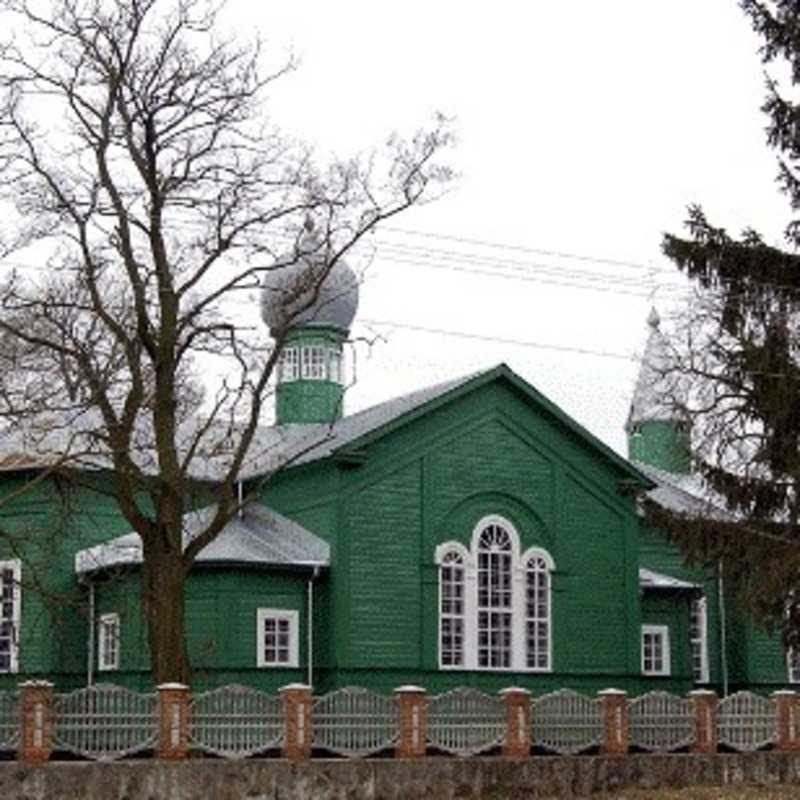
135,152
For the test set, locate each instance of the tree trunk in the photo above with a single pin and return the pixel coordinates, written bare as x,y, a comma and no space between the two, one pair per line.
163,583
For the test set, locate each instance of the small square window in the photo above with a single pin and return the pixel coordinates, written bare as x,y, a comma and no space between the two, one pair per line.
314,363
277,638
655,650
289,366
108,640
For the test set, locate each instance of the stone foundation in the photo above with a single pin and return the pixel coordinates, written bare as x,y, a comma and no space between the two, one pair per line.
386,779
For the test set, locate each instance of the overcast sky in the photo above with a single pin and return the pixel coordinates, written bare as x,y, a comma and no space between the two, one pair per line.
584,128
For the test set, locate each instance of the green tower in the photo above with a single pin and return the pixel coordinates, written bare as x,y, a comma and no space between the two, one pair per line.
659,433
315,306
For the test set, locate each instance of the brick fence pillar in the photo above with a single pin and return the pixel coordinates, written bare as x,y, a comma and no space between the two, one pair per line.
412,704
787,710
36,721
705,721
517,741
173,725
614,713
297,732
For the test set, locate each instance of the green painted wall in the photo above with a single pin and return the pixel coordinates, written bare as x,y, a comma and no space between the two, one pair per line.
661,444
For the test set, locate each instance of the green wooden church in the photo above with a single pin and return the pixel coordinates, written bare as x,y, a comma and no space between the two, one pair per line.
466,534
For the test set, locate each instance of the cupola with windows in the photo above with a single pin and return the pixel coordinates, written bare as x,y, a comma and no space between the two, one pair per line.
312,304
658,428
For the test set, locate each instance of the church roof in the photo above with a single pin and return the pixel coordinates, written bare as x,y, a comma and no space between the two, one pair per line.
683,493
260,537
276,447
659,393
302,444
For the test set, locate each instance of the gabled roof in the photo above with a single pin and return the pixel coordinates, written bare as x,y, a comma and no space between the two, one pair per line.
260,537
302,444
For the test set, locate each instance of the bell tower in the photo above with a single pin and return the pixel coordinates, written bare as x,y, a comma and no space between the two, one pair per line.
659,432
315,305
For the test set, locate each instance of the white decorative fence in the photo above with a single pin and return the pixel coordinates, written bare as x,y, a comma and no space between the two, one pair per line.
465,722
104,722
661,722
9,720
355,722
566,722
747,721
236,721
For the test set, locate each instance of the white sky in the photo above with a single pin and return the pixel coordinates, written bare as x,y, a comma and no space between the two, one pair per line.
583,127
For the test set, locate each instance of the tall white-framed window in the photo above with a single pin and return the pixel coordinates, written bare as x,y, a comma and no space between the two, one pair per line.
313,365
538,621
108,642
655,650
335,366
277,638
793,665
452,608
698,638
10,614
290,364
495,606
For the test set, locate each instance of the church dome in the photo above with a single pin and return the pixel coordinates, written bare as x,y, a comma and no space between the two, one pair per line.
286,290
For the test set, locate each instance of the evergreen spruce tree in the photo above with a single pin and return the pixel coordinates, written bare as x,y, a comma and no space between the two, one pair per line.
742,361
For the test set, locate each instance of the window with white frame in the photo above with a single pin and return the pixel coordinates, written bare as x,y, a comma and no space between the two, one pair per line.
10,607
495,608
698,638
108,642
277,636
335,366
451,609
793,664
290,367
655,650
537,612
313,363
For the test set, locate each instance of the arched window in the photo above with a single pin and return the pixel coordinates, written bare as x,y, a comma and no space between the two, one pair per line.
451,609
495,609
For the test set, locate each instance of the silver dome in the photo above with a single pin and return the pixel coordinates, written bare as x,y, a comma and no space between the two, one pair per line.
287,289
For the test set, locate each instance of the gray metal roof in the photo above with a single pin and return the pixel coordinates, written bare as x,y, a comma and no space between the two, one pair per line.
684,493
260,537
658,581
659,390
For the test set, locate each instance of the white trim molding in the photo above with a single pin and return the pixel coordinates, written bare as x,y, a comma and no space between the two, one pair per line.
278,646
494,604
10,620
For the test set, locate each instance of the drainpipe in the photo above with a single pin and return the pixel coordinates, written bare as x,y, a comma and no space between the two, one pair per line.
310,626
240,491
723,639
90,654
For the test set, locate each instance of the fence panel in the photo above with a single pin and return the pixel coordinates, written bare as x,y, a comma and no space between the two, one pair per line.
236,721
466,721
660,721
354,721
104,722
747,721
566,722
9,720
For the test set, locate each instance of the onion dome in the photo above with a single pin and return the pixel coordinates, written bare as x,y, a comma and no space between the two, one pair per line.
287,290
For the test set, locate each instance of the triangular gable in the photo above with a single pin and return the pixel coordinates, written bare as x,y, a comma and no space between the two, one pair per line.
378,421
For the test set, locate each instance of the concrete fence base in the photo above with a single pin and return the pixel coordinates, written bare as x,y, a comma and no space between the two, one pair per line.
400,779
